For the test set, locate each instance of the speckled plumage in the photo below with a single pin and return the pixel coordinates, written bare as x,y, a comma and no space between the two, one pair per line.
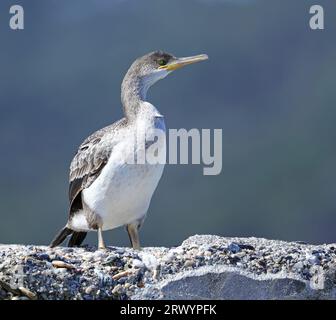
91,157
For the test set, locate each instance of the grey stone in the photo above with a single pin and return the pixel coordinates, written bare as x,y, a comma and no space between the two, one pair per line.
234,247
203,267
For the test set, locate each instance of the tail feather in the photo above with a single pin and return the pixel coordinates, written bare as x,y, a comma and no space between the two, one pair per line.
76,239
61,237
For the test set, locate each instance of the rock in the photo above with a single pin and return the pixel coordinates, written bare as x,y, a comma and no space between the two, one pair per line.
234,247
203,267
137,263
313,259
62,264
3,294
298,266
90,290
121,275
117,290
27,293
188,263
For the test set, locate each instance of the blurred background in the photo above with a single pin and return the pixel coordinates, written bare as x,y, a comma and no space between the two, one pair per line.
269,84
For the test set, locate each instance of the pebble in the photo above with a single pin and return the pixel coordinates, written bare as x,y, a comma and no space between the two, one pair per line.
298,266
62,264
117,290
137,263
90,289
314,260
42,256
60,270
121,275
26,292
234,247
188,263
169,257
177,251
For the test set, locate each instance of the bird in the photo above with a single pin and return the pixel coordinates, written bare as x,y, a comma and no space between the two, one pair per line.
105,190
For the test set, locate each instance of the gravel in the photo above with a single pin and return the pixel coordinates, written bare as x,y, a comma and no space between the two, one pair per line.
200,262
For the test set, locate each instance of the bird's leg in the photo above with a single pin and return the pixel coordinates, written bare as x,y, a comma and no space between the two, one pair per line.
133,233
101,244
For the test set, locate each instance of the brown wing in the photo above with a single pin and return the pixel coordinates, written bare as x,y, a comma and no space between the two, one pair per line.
88,163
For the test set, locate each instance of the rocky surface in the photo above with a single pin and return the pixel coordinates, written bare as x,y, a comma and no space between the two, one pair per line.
203,267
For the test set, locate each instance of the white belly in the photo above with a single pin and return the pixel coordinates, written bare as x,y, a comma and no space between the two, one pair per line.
122,192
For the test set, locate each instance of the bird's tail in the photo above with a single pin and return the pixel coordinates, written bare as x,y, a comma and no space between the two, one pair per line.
61,237
75,240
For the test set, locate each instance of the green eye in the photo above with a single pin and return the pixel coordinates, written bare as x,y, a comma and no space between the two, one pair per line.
162,62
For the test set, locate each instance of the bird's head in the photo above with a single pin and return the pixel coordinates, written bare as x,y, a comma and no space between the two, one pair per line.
157,65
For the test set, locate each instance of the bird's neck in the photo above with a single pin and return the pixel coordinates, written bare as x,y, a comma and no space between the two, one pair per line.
133,96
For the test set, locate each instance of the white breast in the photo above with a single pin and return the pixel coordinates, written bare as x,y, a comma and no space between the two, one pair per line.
122,192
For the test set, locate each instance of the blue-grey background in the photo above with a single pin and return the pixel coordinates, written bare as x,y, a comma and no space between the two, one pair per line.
269,84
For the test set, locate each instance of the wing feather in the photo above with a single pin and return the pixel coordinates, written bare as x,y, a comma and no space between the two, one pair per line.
90,159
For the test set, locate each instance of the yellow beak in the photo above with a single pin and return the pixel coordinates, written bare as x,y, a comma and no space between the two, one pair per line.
181,62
